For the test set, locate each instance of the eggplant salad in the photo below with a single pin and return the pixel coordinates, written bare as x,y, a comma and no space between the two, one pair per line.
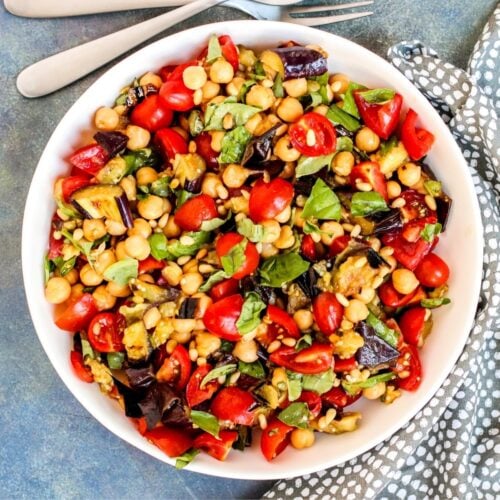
248,244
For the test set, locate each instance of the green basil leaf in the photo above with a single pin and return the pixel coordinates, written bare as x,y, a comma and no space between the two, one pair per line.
378,96
234,143
296,415
386,146
158,245
212,280
322,203
259,69
310,227
84,247
218,372
244,89
253,232
64,266
278,87
434,188
344,144
382,330
349,102
320,383
430,231
210,225
226,346
249,318
282,268
294,385
432,303
205,421
304,341
115,360
87,350
48,267
161,187
353,388
308,165
215,113
195,123
122,271
235,258
186,459
161,249
367,203
145,157
339,117
214,51
255,369
181,197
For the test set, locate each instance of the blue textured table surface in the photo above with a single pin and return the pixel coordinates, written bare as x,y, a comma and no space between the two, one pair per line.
50,446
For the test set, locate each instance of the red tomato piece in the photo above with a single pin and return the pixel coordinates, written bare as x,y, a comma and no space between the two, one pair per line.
234,404
176,369
320,127
152,114
224,245
308,248
82,371
312,400
89,159
71,184
345,365
381,118
55,246
77,313
275,438
150,264
339,244
314,359
327,312
194,211
417,141
283,322
409,365
432,271
268,199
170,143
220,317
338,398
176,96
105,332
228,49
408,254
369,172
175,71
140,424
218,448
223,289
204,149
194,393
392,298
412,325
172,441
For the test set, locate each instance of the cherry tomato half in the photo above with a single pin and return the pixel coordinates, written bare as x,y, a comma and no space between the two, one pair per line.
223,289
82,371
194,211
408,254
194,393
412,325
381,118
176,96
314,359
89,159
176,369
268,199
77,313
312,400
415,207
175,71
220,317
105,332
224,245
217,448
152,114
170,143
71,184
150,264
432,271
345,365
338,398
319,128
369,172
204,149
228,49
339,244
172,441
327,312
417,141
275,438
392,298
234,404
282,322
409,365
308,248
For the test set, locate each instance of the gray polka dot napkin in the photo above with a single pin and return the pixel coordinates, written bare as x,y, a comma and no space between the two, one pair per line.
449,449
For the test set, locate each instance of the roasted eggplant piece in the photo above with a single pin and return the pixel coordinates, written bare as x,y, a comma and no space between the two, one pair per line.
188,308
375,260
153,294
112,142
375,350
259,150
141,379
103,201
295,61
307,282
388,222
189,169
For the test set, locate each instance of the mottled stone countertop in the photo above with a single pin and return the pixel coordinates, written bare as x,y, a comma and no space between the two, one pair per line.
50,446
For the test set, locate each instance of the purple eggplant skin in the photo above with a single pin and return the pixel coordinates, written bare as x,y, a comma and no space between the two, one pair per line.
140,379
375,351
188,308
124,208
259,150
443,204
300,62
112,142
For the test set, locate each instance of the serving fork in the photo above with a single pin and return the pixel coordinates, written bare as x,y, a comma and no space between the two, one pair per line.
57,71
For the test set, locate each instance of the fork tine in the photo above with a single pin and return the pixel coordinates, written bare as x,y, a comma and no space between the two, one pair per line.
326,8
319,21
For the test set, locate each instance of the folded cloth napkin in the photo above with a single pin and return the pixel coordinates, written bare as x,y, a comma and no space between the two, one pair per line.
448,449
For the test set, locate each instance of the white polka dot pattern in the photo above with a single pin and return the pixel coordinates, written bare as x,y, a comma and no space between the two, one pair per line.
450,449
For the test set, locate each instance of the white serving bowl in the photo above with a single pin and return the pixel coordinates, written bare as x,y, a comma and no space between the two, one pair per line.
461,246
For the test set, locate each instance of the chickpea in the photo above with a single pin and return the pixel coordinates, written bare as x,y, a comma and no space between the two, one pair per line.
246,351
151,79
216,142
194,77
191,282
339,83
72,276
114,227
138,137
409,174
272,230
302,438
118,290
210,90
290,109
404,281
106,119
330,231
146,175
137,247
213,187
152,207
128,184
286,239
343,163
206,344
93,229
297,87
103,299
322,109
284,215
304,319
297,218
141,227
234,176
221,71
57,290
260,96
171,229
356,311
285,151
253,123
374,392
367,140
151,318
268,250
104,260
76,291
234,86
120,251
393,189
89,277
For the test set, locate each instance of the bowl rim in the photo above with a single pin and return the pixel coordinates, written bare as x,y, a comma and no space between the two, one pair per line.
421,399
